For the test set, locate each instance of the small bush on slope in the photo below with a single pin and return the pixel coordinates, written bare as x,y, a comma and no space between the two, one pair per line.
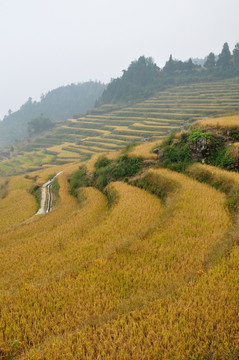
124,166
77,180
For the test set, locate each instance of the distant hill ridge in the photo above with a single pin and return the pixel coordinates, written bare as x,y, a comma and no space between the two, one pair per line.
58,105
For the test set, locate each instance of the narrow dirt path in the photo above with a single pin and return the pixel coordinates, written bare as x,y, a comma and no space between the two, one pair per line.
46,196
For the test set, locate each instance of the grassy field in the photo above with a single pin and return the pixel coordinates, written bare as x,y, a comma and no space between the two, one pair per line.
90,281
145,267
221,122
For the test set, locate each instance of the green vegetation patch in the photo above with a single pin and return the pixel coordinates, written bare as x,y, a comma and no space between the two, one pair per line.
176,155
105,171
78,179
3,189
198,145
55,191
35,190
157,184
120,169
197,133
112,196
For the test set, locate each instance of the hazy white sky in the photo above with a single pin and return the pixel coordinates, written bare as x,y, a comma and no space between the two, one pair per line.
48,43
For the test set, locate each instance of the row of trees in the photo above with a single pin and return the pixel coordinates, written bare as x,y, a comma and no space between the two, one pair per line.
138,81
226,62
143,77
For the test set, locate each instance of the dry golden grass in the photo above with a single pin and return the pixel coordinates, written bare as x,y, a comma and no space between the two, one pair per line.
217,173
113,155
145,150
54,262
90,163
42,224
126,262
38,247
63,153
220,122
18,205
198,322
159,126
44,174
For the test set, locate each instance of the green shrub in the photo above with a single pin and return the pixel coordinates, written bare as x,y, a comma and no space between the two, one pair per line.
102,161
4,189
221,158
55,190
234,133
111,195
199,133
124,166
35,190
77,180
157,184
177,156
168,140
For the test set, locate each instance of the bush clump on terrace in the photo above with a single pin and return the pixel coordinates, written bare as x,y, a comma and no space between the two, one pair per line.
122,168
77,180
198,145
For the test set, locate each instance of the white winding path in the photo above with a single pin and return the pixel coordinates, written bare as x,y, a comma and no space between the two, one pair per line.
46,200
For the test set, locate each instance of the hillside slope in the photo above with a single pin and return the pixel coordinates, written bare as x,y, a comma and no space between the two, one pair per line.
57,105
111,127
144,268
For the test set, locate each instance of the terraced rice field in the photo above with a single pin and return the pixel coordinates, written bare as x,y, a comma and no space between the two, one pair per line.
27,161
110,127
134,281
221,122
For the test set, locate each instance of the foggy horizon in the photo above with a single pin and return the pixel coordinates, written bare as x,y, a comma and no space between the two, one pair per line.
47,44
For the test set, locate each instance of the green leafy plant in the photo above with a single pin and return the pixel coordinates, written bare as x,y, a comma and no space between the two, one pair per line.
77,180
119,169
35,190
156,184
199,133
102,161
177,155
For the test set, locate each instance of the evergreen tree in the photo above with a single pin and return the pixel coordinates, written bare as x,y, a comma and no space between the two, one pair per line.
169,66
210,63
189,65
39,124
236,58
224,59
140,80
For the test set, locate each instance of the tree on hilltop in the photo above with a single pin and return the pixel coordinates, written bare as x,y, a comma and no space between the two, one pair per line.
236,57
189,65
39,124
139,81
224,58
210,63
169,66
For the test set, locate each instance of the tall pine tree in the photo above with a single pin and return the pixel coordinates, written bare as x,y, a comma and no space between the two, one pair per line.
236,58
210,63
224,58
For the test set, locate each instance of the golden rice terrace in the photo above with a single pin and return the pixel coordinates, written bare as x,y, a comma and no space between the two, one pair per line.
111,127
142,263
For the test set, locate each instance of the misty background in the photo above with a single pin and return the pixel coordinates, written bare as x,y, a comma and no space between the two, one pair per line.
49,43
